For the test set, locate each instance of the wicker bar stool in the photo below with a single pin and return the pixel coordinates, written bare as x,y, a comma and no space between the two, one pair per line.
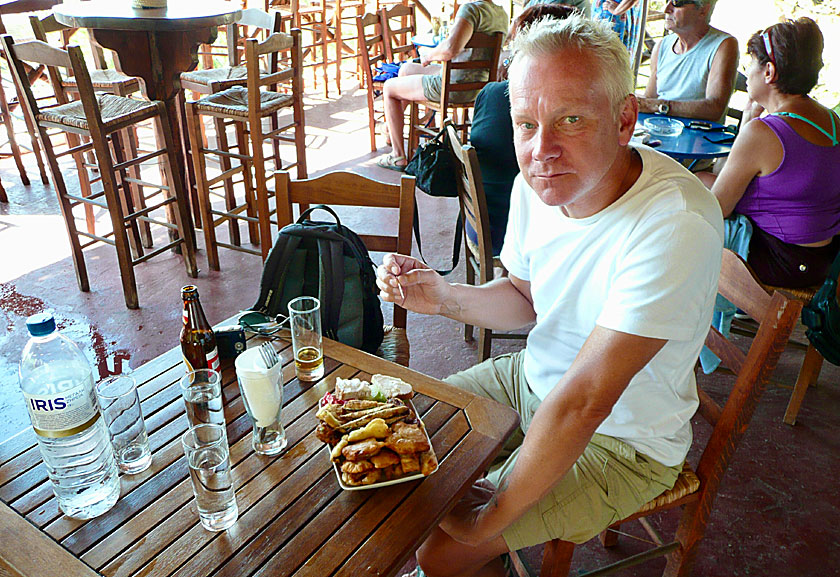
214,80
247,107
103,118
105,80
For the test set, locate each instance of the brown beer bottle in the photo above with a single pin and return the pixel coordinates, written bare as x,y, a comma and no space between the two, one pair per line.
198,343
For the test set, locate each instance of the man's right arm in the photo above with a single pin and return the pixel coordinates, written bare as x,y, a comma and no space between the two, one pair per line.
503,304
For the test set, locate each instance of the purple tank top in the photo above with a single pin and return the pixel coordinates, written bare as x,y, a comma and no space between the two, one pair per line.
799,202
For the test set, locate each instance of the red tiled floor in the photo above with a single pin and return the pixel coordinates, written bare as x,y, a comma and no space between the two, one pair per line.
777,509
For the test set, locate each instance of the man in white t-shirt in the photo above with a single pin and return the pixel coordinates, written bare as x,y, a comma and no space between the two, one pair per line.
615,253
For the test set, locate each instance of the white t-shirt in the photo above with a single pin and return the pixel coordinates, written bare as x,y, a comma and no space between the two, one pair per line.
647,265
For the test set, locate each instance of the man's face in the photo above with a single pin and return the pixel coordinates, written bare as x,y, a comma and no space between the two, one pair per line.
685,17
566,137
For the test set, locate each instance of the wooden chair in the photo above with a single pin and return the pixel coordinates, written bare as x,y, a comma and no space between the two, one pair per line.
347,46
481,263
369,29
105,80
492,44
102,118
247,107
399,25
311,18
350,189
696,488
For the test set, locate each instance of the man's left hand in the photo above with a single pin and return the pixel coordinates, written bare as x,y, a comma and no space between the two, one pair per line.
468,522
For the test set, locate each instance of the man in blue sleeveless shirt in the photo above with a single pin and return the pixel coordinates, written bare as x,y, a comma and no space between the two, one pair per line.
693,69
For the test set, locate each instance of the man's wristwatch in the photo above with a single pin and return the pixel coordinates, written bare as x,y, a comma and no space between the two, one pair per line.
663,107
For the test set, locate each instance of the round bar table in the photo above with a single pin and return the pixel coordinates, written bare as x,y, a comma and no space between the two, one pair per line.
156,44
693,144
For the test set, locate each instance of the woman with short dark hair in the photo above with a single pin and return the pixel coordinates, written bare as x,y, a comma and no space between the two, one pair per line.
783,173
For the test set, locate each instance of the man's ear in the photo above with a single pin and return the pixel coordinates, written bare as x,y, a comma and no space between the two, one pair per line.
627,117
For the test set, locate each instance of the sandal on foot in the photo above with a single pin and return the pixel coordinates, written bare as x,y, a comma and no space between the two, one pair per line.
389,161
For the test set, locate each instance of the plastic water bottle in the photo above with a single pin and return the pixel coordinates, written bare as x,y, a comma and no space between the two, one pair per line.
57,385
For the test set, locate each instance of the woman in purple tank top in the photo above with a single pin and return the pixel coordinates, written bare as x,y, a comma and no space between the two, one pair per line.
784,169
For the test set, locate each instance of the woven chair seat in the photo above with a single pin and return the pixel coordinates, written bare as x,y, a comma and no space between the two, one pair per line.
225,76
395,346
103,79
114,110
687,483
234,102
803,294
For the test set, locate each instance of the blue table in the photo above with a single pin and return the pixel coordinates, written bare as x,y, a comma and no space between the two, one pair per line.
692,144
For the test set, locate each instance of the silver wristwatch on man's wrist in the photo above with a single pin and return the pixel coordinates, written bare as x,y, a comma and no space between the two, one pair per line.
663,108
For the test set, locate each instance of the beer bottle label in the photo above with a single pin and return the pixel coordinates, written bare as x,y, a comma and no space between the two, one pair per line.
212,361
65,413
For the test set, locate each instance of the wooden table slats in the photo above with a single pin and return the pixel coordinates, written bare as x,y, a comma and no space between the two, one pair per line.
294,519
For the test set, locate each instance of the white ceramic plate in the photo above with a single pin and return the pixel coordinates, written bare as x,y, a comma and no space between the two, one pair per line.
391,481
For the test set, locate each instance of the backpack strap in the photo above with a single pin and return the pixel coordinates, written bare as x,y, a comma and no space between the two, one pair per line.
311,209
332,290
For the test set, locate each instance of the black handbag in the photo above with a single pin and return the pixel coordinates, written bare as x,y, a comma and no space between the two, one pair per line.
822,317
434,167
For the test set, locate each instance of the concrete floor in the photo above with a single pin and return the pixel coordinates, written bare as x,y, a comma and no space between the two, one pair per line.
774,513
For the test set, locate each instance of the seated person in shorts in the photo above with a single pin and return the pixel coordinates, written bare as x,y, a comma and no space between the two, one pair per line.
422,82
615,252
692,70
783,173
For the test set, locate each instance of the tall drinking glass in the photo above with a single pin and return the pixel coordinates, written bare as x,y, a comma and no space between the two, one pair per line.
305,322
120,406
202,391
262,389
208,457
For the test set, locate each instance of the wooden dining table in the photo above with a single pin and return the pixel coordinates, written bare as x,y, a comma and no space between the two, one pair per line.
294,518
156,45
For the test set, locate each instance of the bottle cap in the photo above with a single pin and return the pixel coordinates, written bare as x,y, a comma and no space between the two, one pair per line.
40,324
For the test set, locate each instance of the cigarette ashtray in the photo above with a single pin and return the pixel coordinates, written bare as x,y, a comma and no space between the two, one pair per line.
663,126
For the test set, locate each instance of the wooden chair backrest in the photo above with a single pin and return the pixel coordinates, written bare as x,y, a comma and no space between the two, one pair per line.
42,27
369,29
777,315
473,205
399,25
740,86
343,188
286,68
72,59
491,42
253,22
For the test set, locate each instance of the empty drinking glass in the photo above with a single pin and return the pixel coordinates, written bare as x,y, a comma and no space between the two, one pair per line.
202,391
208,457
120,406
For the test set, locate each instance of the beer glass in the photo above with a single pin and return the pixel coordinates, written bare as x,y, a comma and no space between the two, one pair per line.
305,324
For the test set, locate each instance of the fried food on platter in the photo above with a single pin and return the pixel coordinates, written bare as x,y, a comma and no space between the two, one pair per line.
362,449
410,463
366,478
428,463
406,439
327,434
356,467
377,428
385,458
335,454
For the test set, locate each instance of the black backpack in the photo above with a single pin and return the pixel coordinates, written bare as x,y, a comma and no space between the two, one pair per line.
328,261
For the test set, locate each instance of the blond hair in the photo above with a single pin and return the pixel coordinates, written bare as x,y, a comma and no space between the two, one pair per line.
595,37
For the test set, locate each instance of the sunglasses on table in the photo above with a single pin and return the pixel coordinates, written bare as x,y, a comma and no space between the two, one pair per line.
681,3
262,324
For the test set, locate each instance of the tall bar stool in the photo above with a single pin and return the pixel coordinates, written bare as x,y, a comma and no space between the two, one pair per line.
103,118
105,80
247,107
347,46
311,18
214,80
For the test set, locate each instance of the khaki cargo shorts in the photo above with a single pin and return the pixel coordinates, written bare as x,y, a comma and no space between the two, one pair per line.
609,481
